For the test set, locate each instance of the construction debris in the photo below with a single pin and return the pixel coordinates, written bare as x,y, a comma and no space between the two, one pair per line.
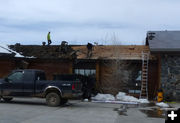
63,51
64,47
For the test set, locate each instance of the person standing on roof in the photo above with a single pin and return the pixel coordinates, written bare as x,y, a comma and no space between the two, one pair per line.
49,38
89,48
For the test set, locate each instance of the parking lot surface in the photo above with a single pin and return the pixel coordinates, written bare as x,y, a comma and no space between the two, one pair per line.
32,110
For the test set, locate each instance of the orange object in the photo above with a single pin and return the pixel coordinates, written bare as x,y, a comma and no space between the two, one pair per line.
160,96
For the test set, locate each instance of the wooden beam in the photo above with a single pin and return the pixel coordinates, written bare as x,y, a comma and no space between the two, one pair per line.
70,67
159,71
97,75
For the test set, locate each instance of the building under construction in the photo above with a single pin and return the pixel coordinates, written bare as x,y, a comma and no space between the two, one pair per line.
139,70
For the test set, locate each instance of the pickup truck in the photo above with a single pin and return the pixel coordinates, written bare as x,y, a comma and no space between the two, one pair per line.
33,83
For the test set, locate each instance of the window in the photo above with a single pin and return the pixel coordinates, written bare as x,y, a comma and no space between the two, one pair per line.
85,72
16,77
40,76
139,76
135,84
81,72
134,91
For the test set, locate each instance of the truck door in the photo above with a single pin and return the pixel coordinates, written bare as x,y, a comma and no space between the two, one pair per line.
29,83
14,84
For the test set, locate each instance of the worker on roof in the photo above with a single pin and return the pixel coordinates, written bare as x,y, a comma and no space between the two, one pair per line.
89,48
49,38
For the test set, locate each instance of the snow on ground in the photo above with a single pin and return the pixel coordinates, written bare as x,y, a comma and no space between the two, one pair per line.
103,97
143,101
121,96
5,49
162,104
115,102
85,100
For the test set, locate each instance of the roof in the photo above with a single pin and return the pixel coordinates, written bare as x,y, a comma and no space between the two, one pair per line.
39,51
125,52
4,50
163,41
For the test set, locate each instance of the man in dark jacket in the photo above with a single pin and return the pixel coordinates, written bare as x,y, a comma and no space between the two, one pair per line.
89,48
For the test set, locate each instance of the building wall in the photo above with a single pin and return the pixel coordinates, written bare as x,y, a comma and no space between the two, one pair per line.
52,67
6,65
153,84
118,76
111,76
49,66
123,76
170,76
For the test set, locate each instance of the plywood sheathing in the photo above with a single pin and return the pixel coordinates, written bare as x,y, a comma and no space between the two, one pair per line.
124,52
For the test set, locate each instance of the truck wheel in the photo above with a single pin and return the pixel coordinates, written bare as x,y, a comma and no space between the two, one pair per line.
53,99
63,101
6,99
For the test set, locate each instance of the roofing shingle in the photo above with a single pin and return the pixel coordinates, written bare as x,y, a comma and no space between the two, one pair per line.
166,41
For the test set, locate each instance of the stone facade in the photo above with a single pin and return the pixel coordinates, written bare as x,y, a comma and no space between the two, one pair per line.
119,76
170,76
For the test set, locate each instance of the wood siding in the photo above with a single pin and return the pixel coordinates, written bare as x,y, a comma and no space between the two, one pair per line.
6,66
49,66
52,67
153,84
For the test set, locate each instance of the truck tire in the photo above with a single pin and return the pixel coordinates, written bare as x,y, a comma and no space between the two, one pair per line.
7,99
53,99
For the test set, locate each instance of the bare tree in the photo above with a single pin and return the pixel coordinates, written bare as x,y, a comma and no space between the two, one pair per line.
115,75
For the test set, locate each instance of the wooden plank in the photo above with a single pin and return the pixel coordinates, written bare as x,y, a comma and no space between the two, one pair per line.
71,68
97,74
159,71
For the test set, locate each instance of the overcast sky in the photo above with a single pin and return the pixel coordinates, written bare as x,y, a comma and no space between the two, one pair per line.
82,21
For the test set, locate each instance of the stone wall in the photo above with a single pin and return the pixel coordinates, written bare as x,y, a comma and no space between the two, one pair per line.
170,76
118,76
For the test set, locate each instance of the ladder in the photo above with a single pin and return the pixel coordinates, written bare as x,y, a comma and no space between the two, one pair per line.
144,77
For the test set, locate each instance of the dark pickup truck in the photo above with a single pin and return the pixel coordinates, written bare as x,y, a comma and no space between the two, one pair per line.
33,83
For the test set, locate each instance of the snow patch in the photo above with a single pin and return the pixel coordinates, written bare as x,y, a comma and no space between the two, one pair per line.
85,100
116,102
103,97
162,104
123,97
120,97
143,101
5,49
